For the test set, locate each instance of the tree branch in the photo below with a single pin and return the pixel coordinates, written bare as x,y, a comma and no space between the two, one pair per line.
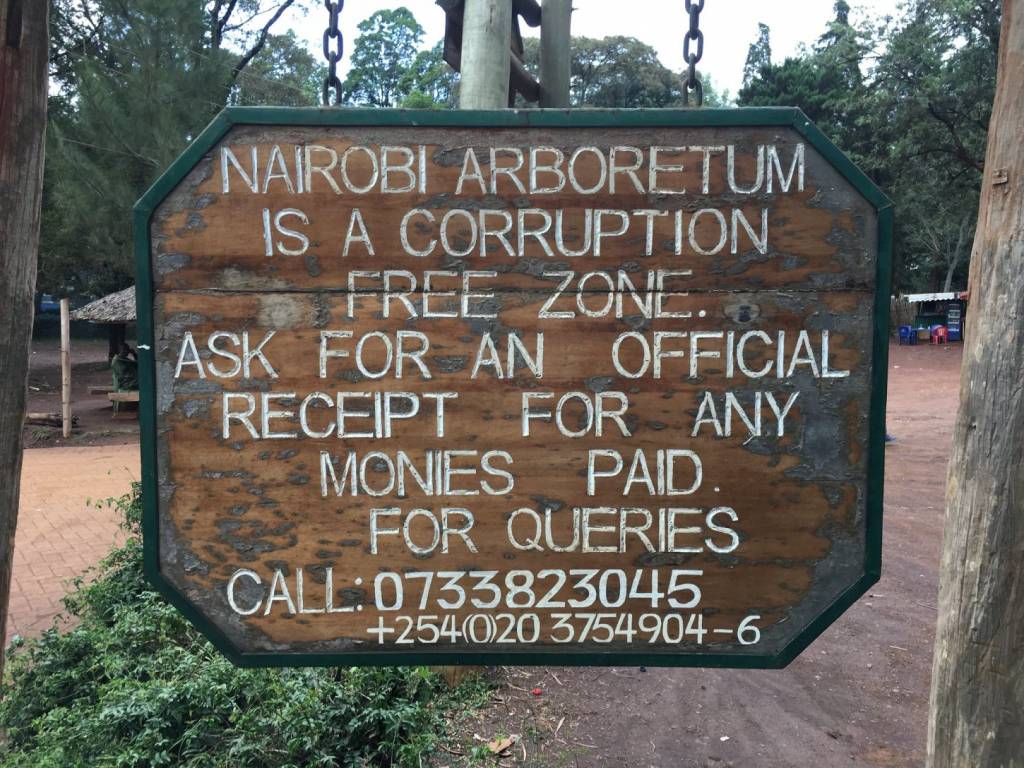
214,21
87,15
222,22
261,40
244,22
962,151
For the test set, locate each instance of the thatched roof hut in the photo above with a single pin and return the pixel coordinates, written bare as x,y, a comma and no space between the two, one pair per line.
117,308
114,311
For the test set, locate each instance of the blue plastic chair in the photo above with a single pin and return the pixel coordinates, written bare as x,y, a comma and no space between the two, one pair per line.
907,334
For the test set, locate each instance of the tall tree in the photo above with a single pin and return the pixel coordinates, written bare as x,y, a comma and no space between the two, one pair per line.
143,81
977,698
134,83
843,48
620,72
429,82
826,82
909,100
284,73
839,26
384,52
759,54
243,27
230,23
932,93
23,54
941,225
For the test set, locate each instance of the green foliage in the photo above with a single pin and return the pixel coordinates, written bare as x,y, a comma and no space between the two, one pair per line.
284,73
759,54
620,72
133,83
826,83
388,70
132,87
132,684
429,83
909,100
383,55
934,87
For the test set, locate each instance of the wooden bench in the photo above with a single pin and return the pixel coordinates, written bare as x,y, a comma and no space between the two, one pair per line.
131,396
101,390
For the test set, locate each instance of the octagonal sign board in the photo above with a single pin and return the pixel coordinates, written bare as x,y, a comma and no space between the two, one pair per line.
596,387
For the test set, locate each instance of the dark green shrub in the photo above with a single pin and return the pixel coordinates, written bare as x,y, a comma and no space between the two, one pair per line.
132,684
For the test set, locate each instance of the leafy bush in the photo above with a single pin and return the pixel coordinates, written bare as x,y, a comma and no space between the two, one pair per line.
133,684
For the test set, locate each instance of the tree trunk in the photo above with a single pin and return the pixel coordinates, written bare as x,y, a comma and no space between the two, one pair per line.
486,61
23,83
954,260
977,698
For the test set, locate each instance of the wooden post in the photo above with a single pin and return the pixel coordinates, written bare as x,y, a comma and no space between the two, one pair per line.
23,62
486,62
486,31
977,697
114,339
65,367
555,53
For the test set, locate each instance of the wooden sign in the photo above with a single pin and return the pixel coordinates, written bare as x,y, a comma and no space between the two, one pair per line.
516,387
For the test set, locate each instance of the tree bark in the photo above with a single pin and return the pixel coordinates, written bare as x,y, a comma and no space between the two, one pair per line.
23,83
261,40
977,698
954,258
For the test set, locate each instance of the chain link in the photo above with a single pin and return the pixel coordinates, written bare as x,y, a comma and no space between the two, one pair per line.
691,57
334,56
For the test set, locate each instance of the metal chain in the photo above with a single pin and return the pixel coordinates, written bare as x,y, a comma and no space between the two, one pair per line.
691,58
333,57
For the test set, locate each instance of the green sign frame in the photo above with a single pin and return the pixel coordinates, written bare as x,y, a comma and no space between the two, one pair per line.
651,118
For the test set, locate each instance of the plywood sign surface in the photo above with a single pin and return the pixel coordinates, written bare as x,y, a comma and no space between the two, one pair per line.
517,387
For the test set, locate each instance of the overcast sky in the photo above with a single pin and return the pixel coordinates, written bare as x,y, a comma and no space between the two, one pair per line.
729,26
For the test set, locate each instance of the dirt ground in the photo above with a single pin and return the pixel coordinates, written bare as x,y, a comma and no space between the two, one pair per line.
858,696
63,530
96,425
